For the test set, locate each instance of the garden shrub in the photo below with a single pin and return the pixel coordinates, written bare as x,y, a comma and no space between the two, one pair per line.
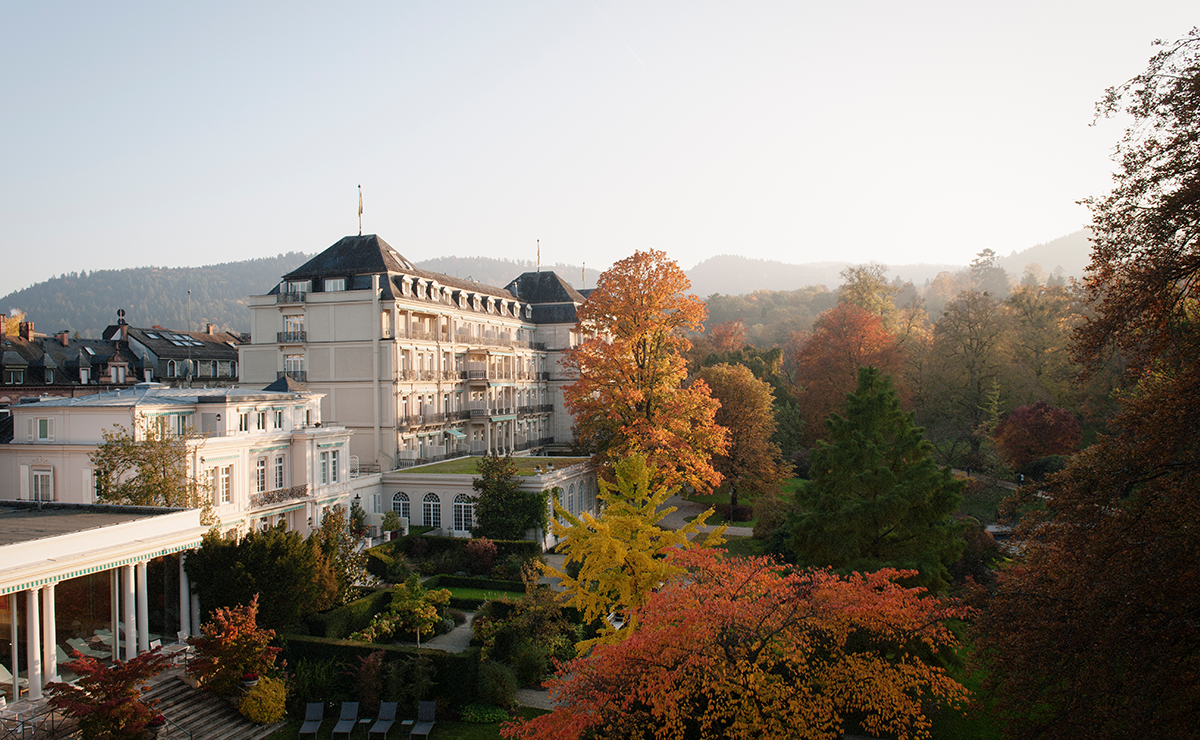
341,622
801,464
368,680
497,684
737,513
482,714
481,555
409,681
266,702
530,663
314,680
770,512
1043,466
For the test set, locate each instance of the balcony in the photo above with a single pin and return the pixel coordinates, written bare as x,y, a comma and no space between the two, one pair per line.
270,498
291,297
542,376
291,337
300,376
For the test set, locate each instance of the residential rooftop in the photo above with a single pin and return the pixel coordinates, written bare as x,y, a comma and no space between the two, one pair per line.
469,465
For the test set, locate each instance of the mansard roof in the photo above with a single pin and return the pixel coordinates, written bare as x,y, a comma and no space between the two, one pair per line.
543,287
353,255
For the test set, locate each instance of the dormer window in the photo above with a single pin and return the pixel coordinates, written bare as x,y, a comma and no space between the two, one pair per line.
335,285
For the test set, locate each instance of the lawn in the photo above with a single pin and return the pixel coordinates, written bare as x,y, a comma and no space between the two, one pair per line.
525,465
441,730
984,503
459,592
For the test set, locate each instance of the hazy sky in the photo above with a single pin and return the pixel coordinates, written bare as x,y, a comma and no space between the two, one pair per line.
193,133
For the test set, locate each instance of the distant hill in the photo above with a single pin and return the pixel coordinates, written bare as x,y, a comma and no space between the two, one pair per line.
87,302
1072,252
729,274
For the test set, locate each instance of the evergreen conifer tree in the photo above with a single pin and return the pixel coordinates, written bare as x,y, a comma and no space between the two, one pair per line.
877,498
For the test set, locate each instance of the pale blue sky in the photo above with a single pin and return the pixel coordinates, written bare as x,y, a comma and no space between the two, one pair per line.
172,134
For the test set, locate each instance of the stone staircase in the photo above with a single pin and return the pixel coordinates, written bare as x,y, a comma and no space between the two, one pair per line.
199,715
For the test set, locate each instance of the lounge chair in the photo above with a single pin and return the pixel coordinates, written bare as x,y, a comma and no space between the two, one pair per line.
314,713
348,718
387,718
425,719
6,679
79,645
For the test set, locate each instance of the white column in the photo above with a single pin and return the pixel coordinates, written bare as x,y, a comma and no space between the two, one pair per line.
50,631
185,597
487,436
15,649
33,644
143,609
196,613
127,596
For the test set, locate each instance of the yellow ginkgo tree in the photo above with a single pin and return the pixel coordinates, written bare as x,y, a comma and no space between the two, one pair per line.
620,554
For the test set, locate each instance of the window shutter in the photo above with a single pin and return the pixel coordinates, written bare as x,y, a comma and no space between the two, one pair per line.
29,436
50,430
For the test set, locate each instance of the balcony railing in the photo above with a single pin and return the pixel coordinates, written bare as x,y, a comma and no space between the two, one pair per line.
279,496
298,296
291,336
300,376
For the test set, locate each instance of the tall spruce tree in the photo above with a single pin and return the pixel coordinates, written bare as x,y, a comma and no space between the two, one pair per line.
876,498
502,510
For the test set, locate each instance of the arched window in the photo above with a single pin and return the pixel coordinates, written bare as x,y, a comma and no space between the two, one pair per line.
400,504
571,499
233,368
464,513
171,370
432,509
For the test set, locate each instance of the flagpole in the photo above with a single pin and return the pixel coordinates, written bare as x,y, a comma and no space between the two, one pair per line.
539,262
360,210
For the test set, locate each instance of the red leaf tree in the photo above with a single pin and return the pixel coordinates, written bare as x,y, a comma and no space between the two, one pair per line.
107,699
742,648
1030,432
231,646
844,339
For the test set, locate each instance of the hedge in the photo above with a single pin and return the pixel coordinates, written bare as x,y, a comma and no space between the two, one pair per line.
434,546
341,622
490,584
456,678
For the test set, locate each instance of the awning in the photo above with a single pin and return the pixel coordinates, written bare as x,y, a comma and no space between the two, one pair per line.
456,434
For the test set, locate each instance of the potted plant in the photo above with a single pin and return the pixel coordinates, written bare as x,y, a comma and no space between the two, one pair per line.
249,679
390,524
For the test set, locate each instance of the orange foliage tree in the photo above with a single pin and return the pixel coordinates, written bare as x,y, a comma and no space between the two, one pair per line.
844,339
629,395
753,463
729,337
742,648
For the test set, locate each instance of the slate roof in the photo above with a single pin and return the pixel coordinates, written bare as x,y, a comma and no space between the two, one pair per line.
171,344
353,255
287,384
543,287
48,353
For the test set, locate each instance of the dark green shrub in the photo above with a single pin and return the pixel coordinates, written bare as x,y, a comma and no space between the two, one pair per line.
770,512
341,622
497,684
409,681
530,663
314,680
1043,466
482,714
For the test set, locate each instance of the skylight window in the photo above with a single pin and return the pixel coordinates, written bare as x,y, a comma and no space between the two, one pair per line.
151,335
90,351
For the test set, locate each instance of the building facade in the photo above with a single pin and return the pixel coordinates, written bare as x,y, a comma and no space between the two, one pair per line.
420,365
264,457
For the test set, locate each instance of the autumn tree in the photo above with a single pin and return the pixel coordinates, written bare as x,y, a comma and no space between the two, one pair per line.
337,543
876,498
1041,320
148,468
229,646
629,396
742,648
752,465
107,699
844,339
1038,430
968,359
729,336
867,287
620,553
987,276
1094,634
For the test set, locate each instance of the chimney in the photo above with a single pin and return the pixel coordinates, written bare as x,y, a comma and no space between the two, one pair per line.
62,336
25,328
208,328
124,332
